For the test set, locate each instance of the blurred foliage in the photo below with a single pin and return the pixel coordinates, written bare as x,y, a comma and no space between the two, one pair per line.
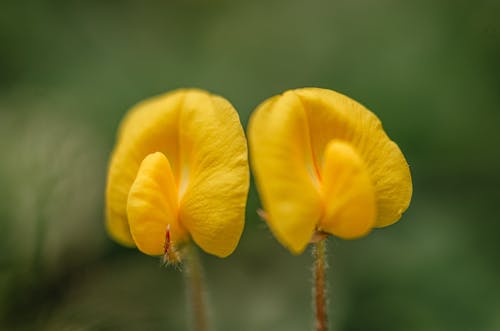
69,70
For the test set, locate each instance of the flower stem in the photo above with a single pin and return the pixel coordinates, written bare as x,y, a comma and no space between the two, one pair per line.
319,253
196,291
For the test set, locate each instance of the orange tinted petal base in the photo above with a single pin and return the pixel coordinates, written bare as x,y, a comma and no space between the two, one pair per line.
152,206
349,196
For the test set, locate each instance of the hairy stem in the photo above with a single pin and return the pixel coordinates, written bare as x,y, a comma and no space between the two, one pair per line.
321,310
196,290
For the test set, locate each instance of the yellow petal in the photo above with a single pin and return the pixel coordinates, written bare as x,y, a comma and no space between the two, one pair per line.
330,116
215,175
349,196
284,170
151,126
152,206
201,136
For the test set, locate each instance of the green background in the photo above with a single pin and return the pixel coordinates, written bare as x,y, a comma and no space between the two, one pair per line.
69,70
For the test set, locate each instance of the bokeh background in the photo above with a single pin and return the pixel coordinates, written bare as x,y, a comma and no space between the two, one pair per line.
69,70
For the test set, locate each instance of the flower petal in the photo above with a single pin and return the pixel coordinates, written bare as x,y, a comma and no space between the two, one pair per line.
349,196
151,126
331,115
201,136
215,176
152,206
284,170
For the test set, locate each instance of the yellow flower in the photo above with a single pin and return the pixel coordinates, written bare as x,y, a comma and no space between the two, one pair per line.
179,170
322,162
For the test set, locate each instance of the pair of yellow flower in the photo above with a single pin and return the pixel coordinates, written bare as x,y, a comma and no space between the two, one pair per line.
322,164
